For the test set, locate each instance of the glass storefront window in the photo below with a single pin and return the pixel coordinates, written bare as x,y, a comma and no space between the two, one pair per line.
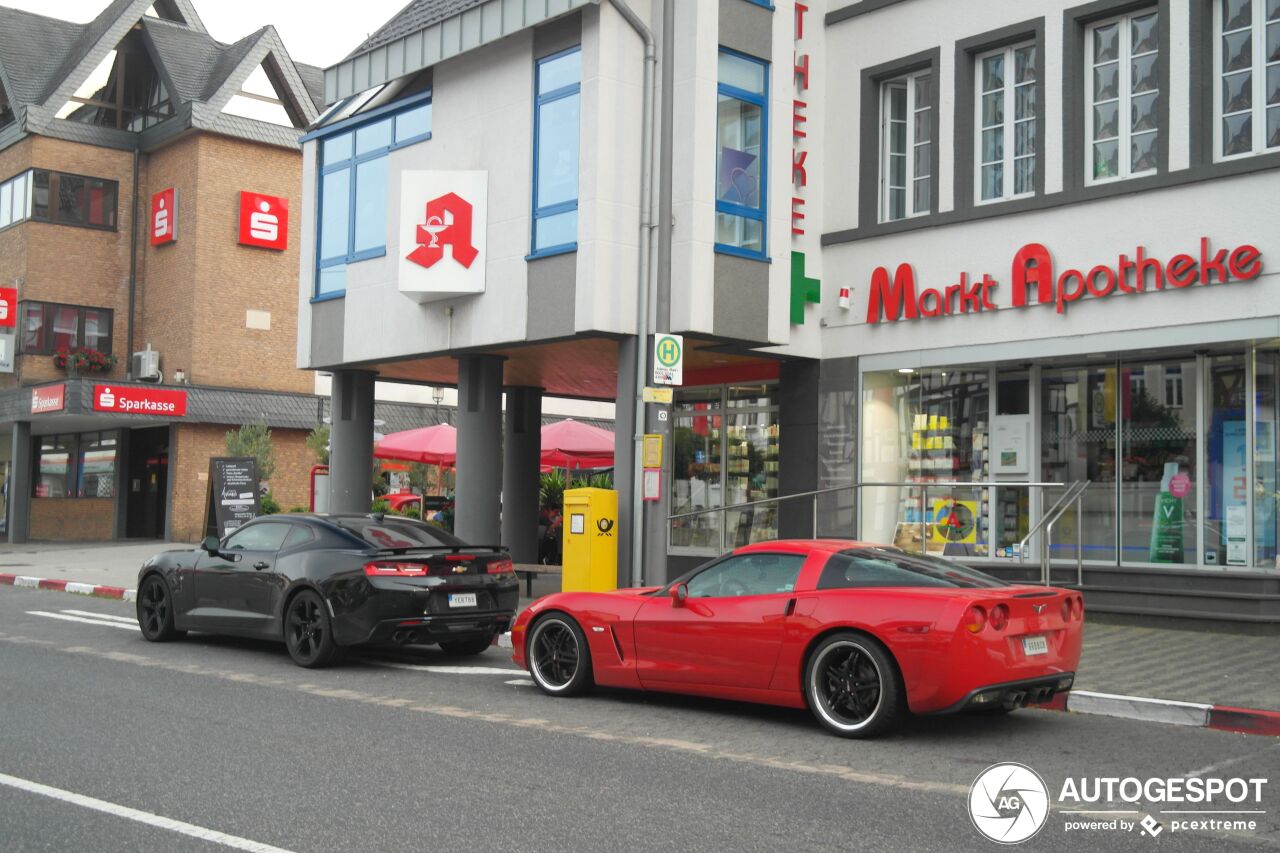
1227,480
53,466
97,472
724,452
1265,470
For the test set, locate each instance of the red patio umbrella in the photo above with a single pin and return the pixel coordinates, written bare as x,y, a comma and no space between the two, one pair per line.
573,444
433,445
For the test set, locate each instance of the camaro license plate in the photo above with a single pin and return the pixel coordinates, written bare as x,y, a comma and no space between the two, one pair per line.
1035,646
463,599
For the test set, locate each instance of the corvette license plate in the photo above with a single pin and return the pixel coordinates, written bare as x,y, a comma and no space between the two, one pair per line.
463,599
1035,646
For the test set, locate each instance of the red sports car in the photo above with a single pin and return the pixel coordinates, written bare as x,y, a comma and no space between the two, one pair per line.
858,633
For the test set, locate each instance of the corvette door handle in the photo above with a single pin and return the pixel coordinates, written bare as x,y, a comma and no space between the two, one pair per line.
261,565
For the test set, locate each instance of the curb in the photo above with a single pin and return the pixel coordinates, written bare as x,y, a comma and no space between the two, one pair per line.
1224,718
97,590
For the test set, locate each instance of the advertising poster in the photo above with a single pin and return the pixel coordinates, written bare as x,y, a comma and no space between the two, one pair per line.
1235,498
233,494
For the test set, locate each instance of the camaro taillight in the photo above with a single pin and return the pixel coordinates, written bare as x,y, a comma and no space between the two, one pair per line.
501,567
975,618
999,617
403,570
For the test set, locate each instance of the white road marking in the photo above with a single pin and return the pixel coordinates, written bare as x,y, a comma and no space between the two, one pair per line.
1213,768
128,620
133,627
148,818
447,670
520,682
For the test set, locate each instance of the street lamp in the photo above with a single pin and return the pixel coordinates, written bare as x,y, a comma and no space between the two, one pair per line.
437,394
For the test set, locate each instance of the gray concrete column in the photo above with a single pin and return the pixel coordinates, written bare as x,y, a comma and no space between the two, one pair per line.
351,442
521,453
478,506
624,473
797,446
20,468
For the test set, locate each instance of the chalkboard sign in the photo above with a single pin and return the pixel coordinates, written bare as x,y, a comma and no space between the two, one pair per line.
232,499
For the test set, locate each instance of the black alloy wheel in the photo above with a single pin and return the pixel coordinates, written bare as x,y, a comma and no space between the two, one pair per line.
155,611
853,687
307,633
559,660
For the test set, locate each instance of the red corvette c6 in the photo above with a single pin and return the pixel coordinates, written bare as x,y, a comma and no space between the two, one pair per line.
858,633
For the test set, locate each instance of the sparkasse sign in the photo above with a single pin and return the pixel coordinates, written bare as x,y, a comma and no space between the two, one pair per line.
264,221
1033,282
132,400
50,398
164,217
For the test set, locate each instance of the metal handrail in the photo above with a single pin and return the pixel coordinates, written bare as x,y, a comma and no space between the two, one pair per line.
1072,495
816,493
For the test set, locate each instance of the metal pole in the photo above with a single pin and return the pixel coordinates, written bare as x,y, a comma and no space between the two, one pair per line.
815,516
924,528
724,519
1079,543
642,287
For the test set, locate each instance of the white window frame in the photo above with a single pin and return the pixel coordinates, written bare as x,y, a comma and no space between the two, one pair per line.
909,82
1124,140
1258,68
1010,123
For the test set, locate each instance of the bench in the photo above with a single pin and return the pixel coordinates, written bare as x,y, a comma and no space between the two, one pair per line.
531,570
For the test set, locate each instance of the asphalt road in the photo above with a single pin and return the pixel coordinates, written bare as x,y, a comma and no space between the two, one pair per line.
380,753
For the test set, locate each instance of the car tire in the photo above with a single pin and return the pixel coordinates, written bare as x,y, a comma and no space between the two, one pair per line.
308,631
558,657
853,687
155,611
467,648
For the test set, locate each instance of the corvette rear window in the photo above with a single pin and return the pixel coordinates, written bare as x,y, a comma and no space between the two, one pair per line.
882,567
398,533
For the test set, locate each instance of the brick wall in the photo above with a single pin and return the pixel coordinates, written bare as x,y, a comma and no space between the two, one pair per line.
13,240
72,519
189,466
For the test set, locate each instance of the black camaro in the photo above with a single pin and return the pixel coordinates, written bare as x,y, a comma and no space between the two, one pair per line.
323,582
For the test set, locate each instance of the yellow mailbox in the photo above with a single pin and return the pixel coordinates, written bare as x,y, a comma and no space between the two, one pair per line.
590,540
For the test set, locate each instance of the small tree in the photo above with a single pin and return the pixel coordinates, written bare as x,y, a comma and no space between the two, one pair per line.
318,443
254,440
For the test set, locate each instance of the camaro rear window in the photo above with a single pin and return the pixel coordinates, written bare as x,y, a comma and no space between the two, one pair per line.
398,533
880,567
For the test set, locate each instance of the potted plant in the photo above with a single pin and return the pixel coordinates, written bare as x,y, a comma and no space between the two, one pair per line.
83,360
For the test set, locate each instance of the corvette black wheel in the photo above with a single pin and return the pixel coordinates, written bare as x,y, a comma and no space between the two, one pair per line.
559,660
307,633
155,611
853,687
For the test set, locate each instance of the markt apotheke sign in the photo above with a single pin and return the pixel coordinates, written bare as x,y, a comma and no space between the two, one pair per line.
1034,280
132,400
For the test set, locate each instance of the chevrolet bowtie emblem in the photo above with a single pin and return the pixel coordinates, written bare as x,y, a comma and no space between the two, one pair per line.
457,570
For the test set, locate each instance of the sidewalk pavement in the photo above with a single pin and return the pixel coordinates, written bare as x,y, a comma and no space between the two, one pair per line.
1196,666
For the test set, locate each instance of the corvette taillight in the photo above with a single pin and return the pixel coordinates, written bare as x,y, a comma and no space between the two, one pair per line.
501,567
1077,607
403,570
975,619
999,617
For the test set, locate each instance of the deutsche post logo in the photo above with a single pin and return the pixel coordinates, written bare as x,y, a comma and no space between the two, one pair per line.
605,526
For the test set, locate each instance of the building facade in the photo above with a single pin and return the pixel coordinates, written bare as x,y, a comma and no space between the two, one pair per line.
912,246
147,172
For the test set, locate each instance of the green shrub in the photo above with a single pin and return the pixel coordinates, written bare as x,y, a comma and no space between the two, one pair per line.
269,505
380,506
298,509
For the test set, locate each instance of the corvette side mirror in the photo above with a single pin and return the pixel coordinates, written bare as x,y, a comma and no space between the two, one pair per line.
679,593
210,544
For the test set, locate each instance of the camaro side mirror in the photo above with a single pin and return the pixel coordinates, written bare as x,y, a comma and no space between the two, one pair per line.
679,593
210,544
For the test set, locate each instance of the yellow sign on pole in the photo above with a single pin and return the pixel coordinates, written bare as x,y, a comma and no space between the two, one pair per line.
658,395
652,454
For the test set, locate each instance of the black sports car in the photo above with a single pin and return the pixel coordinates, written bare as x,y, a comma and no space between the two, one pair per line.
323,582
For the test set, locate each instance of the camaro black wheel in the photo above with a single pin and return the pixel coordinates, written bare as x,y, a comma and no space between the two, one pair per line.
307,632
467,647
559,659
852,686
155,611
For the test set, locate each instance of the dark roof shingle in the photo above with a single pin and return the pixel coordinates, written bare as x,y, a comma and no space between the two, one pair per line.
418,15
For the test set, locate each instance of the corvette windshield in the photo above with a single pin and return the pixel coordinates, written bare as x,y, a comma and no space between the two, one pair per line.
877,567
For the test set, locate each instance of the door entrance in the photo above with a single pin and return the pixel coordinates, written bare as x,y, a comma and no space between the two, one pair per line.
148,483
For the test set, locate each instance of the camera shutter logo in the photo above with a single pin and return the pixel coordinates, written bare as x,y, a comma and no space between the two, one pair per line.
1008,803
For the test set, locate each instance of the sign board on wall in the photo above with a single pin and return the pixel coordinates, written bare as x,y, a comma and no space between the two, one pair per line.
232,498
8,345
8,307
264,221
164,217
443,229
133,400
1011,444
50,398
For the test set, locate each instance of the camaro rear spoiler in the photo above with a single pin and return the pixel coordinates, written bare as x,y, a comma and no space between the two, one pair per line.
450,548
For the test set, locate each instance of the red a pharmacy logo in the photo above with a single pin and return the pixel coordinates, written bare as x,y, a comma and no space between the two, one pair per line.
448,222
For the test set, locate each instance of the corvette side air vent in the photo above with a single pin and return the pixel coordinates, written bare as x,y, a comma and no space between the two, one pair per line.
1036,595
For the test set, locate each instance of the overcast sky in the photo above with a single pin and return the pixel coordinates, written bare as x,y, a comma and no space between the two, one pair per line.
315,33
